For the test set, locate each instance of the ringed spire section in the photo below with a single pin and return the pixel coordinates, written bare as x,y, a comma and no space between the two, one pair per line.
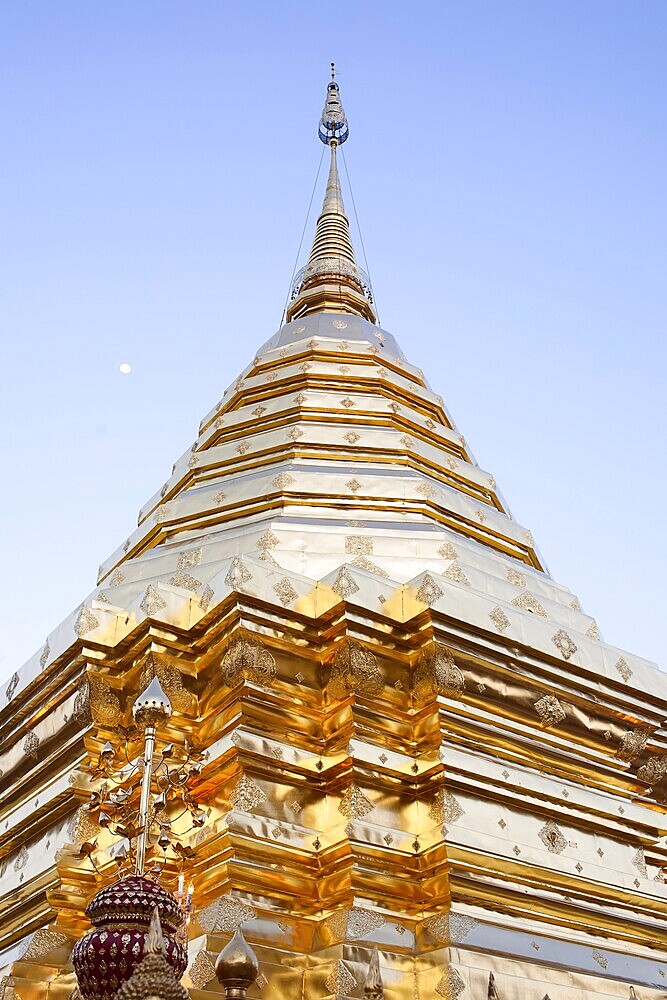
332,281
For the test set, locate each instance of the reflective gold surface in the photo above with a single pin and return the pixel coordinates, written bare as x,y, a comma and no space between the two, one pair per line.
418,740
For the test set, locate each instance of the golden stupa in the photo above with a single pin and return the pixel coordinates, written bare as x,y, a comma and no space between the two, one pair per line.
418,741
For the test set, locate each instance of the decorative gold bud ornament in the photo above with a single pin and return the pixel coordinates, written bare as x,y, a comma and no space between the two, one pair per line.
237,967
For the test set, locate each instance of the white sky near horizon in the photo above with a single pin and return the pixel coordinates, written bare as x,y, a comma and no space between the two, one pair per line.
508,161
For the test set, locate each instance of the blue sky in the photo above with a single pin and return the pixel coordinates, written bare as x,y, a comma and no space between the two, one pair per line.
508,162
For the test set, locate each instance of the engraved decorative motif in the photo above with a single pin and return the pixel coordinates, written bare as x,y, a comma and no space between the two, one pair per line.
82,827
246,794
339,324
447,551
653,770
632,743
237,574
455,573
206,597
639,861
116,578
460,926
282,481
429,591
265,543
552,838
515,577
225,914
624,669
352,437
593,631
427,491
43,943
21,859
575,605
81,712
406,441
499,619
452,810
295,434
359,545
354,804
248,658
361,922
340,980
529,603
361,562
152,601
437,673
85,622
347,402
171,680
202,970
104,704
12,686
285,591
354,671
344,584
451,986
46,652
189,559
220,498
242,447
353,485
185,581
564,644
598,957
549,710
31,746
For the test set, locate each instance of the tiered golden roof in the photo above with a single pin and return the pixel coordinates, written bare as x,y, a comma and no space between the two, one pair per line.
418,739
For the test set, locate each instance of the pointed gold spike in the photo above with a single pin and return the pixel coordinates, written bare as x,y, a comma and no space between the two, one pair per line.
373,988
332,281
154,941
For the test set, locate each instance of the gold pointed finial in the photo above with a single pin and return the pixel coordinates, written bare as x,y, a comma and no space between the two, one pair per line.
332,281
154,941
153,978
373,988
237,967
152,705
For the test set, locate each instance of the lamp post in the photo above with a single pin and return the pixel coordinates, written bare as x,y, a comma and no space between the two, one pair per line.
151,707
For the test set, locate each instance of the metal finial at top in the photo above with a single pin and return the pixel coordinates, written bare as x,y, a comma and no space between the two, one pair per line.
152,705
333,129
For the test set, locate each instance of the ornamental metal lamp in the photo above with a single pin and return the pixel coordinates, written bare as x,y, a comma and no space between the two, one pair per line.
106,958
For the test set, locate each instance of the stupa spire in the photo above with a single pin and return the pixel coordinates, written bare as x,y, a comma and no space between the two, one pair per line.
332,281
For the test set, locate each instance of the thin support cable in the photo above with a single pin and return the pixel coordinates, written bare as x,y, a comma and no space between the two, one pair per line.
361,237
303,233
